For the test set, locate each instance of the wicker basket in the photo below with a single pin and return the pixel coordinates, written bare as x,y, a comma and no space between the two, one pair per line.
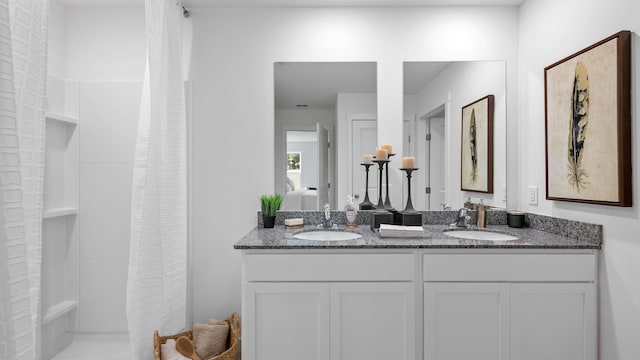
232,341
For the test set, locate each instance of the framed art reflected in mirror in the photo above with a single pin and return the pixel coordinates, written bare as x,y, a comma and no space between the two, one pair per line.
476,152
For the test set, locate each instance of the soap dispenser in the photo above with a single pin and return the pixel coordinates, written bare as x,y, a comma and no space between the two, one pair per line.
469,204
481,215
351,212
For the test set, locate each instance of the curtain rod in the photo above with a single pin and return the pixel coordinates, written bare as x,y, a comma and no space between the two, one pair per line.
185,12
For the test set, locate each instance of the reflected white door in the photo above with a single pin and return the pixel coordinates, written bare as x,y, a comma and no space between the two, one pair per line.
435,154
323,165
364,135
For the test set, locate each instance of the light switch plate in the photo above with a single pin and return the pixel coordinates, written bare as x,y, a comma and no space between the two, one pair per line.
533,195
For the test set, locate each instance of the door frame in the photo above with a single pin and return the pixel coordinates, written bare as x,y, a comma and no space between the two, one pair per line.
422,129
351,117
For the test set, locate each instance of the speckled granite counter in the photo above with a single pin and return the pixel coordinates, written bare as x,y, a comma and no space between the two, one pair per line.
542,232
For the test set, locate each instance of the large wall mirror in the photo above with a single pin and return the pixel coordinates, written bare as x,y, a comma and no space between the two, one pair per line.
434,95
325,118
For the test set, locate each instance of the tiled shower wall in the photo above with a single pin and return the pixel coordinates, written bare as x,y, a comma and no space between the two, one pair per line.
109,119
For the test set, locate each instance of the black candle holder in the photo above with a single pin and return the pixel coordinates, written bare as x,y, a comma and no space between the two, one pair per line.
380,215
409,207
387,202
410,217
366,204
381,167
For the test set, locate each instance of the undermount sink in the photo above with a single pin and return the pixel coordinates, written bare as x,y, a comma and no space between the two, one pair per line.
327,235
480,235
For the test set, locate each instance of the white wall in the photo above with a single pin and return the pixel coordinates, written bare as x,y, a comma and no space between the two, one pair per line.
57,40
106,44
234,52
106,54
570,26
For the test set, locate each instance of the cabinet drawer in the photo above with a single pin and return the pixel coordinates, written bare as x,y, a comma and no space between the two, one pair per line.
510,267
329,267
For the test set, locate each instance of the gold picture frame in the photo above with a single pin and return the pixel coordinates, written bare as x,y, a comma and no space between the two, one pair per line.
588,124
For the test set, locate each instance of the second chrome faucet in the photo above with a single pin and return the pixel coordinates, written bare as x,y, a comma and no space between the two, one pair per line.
462,220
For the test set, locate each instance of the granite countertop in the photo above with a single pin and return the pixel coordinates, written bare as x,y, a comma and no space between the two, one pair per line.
529,238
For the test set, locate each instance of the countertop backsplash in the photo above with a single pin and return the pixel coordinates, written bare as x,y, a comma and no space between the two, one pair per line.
576,230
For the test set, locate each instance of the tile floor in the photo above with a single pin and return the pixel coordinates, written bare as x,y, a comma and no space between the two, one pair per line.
97,346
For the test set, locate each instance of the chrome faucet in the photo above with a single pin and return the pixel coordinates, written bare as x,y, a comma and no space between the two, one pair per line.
326,223
462,220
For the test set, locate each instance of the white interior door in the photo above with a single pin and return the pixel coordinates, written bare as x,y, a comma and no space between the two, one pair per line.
364,138
323,165
435,154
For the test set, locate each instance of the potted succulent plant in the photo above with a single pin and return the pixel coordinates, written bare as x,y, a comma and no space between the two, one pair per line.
270,204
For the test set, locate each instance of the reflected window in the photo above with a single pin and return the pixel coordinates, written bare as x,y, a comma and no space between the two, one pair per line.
293,169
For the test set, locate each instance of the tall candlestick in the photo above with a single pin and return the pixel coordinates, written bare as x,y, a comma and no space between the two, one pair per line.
366,204
381,163
408,162
387,202
408,170
382,154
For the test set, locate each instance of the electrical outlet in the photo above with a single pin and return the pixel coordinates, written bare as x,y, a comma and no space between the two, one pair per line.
533,195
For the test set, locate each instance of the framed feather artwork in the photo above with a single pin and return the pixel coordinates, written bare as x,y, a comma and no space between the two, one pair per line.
476,152
588,124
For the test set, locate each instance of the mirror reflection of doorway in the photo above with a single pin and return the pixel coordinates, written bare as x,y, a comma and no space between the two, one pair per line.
364,139
436,163
434,159
307,169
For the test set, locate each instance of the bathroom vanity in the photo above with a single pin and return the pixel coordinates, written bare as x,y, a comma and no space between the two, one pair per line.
434,297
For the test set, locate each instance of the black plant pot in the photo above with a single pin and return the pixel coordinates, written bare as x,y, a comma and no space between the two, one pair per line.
268,221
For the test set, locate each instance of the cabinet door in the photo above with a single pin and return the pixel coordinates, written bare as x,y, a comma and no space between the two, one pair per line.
466,321
286,321
372,321
553,321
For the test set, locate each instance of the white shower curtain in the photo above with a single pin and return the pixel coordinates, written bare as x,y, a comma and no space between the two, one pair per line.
157,282
23,65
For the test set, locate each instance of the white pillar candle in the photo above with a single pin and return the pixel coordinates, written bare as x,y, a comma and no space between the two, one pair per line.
382,154
367,159
387,147
408,162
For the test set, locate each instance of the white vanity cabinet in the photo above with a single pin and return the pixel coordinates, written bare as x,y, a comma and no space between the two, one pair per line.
410,304
510,306
328,306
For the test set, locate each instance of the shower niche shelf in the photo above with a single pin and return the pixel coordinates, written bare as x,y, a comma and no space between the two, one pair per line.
70,120
60,233
58,212
59,310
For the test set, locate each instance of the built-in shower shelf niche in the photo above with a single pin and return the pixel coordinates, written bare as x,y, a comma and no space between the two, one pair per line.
59,212
60,234
59,310
70,120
